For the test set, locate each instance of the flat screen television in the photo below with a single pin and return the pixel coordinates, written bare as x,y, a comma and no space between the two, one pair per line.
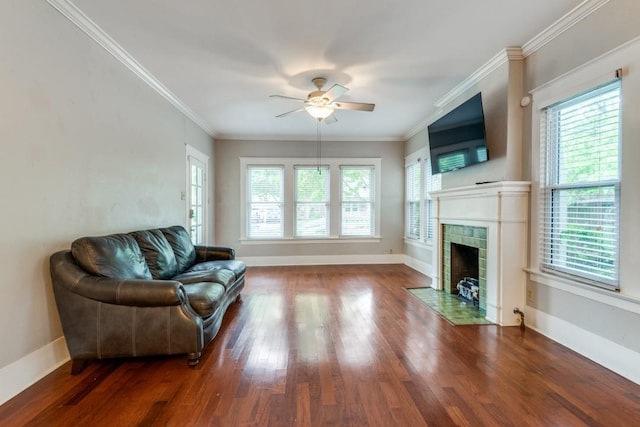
457,139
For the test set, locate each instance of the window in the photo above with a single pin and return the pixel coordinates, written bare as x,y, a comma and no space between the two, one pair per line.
412,204
580,179
358,194
419,206
284,199
432,183
312,201
265,201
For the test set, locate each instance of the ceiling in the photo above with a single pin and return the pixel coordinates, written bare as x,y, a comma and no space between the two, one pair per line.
222,59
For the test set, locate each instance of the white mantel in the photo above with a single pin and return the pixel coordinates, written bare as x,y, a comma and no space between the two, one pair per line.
503,209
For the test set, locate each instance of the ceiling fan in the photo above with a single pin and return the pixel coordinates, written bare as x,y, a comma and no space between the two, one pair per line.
321,104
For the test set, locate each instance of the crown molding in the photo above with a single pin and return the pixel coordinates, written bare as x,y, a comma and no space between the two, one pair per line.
504,56
304,138
82,21
563,24
501,58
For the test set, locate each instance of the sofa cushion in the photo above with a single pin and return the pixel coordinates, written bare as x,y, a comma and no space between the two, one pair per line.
182,246
117,256
221,276
204,297
158,253
237,267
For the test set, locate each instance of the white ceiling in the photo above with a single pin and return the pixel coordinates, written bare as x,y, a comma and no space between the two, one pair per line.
223,59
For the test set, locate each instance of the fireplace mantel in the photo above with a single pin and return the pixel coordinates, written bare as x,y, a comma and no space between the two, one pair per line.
503,209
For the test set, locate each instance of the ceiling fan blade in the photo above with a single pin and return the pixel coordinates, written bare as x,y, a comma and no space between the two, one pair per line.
286,97
330,119
335,92
290,112
358,106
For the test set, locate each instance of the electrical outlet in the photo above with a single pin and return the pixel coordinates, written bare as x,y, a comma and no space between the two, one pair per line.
529,294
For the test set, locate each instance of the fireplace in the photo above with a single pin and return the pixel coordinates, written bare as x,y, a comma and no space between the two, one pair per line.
464,262
493,218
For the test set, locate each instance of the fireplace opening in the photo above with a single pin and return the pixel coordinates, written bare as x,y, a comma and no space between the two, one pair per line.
465,273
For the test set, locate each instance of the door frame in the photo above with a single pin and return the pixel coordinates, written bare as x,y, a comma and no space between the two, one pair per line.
194,154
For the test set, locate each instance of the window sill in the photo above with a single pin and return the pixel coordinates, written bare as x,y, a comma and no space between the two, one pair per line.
594,293
306,240
418,243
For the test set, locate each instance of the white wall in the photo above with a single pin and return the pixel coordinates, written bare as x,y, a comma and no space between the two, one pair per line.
228,226
86,148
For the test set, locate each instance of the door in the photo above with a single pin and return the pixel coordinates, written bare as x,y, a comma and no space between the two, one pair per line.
197,195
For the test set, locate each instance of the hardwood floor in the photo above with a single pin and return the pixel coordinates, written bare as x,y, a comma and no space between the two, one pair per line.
339,346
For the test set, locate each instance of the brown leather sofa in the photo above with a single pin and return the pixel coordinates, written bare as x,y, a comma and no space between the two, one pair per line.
149,292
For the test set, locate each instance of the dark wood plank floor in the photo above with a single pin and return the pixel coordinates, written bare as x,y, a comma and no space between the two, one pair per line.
339,346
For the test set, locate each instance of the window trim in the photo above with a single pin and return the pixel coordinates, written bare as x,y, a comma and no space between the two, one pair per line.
288,164
551,189
560,89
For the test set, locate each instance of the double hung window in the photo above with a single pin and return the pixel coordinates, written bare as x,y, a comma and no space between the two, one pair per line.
265,201
580,180
419,206
412,204
312,201
358,197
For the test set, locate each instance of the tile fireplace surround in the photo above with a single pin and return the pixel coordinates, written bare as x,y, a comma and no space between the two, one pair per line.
502,208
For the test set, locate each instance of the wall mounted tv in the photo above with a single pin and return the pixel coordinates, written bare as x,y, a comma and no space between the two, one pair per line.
457,139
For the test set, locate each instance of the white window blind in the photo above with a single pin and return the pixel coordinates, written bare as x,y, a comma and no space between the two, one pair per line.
357,200
412,201
312,201
581,184
265,201
432,183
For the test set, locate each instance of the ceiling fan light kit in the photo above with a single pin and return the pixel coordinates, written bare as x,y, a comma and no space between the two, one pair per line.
320,104
319,112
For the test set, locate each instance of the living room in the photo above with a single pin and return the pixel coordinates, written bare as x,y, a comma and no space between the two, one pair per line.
89,148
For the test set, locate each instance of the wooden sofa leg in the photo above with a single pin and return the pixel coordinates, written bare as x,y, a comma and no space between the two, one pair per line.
78,365
193,359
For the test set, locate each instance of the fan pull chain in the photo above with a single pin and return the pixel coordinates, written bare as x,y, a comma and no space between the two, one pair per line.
318,144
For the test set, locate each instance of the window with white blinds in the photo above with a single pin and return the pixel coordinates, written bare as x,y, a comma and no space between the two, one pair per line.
284,199
265,202
432,183
312,201
580,159
357,201
412,201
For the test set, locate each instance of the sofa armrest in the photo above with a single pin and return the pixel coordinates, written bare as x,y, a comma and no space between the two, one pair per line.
214,253
139,293
132,292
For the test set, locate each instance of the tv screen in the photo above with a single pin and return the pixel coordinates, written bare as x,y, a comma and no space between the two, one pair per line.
457,139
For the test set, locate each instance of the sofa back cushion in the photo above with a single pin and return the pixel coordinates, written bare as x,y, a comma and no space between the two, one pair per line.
182,246
117,256
157,252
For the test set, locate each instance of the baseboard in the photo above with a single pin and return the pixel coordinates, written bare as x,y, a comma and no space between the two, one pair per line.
24,372
323,260
613,356
420,266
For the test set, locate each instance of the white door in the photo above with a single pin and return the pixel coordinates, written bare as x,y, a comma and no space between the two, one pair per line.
197,195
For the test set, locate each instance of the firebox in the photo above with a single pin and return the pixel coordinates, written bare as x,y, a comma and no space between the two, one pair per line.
465,272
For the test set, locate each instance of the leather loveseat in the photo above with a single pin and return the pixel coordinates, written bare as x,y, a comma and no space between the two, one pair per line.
149,292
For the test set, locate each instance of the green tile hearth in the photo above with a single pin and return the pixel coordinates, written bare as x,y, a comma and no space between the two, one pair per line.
450,307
